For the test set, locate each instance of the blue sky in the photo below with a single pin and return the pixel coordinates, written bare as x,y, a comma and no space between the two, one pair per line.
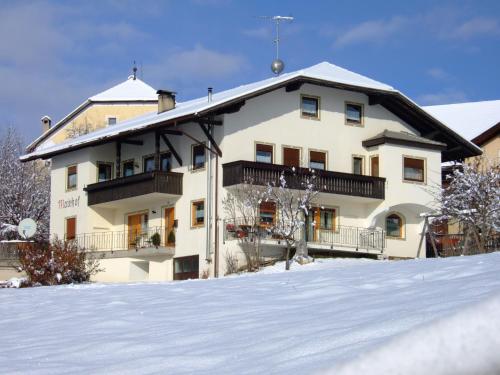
53,55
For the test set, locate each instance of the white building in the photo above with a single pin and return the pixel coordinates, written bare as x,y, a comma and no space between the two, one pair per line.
377,153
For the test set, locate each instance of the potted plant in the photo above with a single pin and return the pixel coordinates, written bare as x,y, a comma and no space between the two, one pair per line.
171,237
156,239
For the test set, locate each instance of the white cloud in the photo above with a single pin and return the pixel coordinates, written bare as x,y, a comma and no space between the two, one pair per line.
438,73
260,32
479,26
371,31
446,96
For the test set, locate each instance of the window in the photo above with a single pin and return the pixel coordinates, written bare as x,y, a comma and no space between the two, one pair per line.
394,226
357,165
264,153
111,120
128,168
198,156
353,114
71,173
413,169
309,107
186,268
70,233
374,166
104,171
267,213
149,164
317,160
198,213
166,161
291,157
327,219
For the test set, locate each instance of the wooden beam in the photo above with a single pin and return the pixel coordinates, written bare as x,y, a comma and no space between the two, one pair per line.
211,139
172,149
211,121
375,99
157,151
132,142
232,108
118,167
294,86
432,134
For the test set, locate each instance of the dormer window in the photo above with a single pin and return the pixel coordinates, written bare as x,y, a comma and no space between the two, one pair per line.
111,120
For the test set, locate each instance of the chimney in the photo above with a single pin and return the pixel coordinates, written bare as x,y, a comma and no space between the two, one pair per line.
46,123
210,92
166,100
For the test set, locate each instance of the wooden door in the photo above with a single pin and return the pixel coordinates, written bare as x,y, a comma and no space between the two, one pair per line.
374,166
317,221
169,226
134,229
70,228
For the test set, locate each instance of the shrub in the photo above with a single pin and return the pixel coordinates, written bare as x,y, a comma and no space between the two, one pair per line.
60,262
156,239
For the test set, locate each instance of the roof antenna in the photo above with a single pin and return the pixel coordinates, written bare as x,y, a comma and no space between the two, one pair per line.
278,65
134,69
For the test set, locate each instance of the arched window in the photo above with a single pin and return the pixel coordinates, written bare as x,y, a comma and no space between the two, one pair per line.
394,226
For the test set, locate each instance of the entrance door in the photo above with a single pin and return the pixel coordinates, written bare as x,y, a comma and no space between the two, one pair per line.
134,230
169,226
324,225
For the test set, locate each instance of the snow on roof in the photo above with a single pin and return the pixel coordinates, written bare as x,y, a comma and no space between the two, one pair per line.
323,71
467,119
404,136
131,89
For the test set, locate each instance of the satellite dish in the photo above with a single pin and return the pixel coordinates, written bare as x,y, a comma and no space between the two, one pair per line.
27,228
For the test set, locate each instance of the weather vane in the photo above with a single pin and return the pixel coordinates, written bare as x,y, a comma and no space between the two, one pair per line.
278,65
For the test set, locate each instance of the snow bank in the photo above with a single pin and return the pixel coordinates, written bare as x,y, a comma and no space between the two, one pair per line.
465,343
318,316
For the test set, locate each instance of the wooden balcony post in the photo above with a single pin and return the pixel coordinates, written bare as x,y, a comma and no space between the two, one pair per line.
157,151
118,159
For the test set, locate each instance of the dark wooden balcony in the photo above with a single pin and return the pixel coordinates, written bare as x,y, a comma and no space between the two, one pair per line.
326,181
133,186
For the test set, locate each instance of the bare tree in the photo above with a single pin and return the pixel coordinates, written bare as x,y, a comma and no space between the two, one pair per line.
292,205
242,207
76,130
472,197
24,188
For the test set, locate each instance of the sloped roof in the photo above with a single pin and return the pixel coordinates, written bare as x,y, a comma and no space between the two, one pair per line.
131,90
468,119
403,138
322,74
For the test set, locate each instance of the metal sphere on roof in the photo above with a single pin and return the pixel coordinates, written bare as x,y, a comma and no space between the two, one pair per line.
277,66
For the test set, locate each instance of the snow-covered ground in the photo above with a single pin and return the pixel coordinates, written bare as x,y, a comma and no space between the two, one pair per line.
436,316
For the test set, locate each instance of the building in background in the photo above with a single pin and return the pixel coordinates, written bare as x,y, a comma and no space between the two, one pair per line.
144,193
124,101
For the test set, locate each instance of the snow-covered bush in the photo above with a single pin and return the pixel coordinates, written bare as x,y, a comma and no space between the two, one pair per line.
57,263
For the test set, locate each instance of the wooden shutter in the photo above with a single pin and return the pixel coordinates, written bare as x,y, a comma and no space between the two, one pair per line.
374,166
71,228
291,157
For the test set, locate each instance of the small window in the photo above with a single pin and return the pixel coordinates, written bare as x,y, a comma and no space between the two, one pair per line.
104,171
111,120
357,165
166,161
186,268
374,166
354,114
413,169
198,213
70,233
309,107
263,153
267,213
317,160
149,164
71,177
128,168
198,156
327,219
394,226
291,157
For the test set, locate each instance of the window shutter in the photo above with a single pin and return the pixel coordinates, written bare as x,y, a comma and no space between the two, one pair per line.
291,157
375,166
71,228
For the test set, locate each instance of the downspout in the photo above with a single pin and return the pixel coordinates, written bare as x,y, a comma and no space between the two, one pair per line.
209,193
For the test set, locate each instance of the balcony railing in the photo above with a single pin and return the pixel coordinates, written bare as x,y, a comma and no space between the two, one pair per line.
124,240
326,181
135,185
368,239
